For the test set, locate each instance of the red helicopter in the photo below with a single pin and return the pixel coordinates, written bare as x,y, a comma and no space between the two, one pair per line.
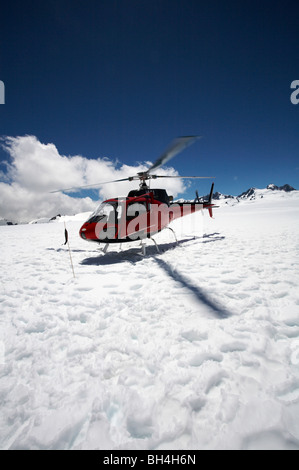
145,211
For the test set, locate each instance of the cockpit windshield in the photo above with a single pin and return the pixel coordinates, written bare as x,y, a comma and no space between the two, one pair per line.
107,211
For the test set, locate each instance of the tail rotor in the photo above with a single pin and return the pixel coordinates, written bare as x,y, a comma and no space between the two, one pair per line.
209,204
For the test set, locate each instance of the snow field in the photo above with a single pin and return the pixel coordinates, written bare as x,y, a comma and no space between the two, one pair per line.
195,347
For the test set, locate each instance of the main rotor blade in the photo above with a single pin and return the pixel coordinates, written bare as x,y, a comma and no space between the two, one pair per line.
166,176
177,146
131,178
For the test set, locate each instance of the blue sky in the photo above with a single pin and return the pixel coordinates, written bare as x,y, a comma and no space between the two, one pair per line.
122,78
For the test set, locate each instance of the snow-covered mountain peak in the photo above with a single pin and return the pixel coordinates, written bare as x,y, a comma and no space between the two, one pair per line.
286,187
271,192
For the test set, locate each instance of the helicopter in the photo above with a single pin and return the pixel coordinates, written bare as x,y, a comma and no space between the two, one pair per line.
145,211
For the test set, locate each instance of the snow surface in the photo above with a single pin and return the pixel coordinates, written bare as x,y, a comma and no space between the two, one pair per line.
196,347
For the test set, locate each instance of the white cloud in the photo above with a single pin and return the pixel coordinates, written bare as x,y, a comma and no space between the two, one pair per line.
35,168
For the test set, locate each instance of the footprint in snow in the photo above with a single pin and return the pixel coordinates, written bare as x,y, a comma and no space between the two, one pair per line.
200,358
215,381
231,281
194,335
233,346
196,403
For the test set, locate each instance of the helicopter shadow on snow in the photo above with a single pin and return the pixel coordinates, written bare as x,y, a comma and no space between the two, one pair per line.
134,254
215,308
212,237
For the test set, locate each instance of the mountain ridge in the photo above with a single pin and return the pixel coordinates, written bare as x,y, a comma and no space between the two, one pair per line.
252,191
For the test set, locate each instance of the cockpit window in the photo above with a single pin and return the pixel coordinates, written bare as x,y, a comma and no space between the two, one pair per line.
104,211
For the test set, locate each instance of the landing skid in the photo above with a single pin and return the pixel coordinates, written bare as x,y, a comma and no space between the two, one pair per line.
142,244
169,228
104,250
